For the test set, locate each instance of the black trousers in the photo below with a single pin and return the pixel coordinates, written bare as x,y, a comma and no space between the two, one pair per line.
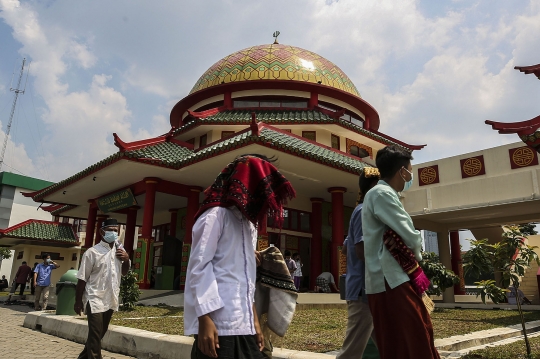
231,347
15,286
98,324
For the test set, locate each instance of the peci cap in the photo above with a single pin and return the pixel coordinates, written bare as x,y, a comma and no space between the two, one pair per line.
109,222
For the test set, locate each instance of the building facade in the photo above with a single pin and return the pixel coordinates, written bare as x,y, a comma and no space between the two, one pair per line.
276,100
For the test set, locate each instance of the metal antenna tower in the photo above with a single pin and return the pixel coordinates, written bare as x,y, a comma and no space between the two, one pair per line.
17,91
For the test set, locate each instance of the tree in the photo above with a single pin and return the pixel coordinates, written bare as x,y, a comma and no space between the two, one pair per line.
5,253
528,229
440,277
129,291
510,257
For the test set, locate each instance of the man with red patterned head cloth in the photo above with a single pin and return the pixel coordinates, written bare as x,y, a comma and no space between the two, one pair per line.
221,274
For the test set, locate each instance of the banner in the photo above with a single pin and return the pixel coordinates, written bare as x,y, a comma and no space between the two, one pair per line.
116,201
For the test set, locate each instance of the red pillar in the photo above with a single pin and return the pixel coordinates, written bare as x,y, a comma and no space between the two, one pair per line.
313,100
131,224
100,219
90,225
457,267
192,208
337,229
148,223
316,240
174,222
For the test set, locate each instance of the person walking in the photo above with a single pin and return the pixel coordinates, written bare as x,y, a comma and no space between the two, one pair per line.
359,319
42,278
219,294
3,283
403,328
21,278
297,275
98,285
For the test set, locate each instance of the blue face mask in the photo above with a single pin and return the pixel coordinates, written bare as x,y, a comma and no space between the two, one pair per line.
110,236
409,183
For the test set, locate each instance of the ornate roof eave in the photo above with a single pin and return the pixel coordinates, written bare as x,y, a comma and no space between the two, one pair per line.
533,69
521,128
130,151
187,102
57,209
205,118
11,232
257,133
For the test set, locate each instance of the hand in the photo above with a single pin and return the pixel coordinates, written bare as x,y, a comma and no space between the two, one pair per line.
122,255
78,307
259,337
258,258
208,336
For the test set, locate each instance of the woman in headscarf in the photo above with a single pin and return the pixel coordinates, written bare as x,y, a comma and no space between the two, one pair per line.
220,282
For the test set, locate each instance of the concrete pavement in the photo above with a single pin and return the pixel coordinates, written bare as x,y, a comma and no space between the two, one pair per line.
23,343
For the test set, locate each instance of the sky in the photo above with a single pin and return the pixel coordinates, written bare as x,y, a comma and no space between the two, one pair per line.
434,70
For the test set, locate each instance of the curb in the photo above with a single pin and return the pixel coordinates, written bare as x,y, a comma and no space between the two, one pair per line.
138,343
460,342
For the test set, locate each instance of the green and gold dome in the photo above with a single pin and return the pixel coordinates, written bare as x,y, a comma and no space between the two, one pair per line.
275,62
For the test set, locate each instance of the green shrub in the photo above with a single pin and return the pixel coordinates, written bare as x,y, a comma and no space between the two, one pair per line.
129,291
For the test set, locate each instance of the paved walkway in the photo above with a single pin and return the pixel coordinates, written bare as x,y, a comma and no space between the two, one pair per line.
23,343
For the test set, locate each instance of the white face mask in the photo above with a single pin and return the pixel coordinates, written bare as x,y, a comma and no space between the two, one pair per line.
409,183
110,236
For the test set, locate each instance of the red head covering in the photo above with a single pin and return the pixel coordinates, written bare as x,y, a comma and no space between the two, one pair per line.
254,186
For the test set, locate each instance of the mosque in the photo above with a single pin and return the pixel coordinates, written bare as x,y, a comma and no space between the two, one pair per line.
276,100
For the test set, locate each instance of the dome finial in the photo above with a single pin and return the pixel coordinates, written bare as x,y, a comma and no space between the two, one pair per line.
275,35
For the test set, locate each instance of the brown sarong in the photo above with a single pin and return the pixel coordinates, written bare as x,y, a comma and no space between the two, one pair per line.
402,324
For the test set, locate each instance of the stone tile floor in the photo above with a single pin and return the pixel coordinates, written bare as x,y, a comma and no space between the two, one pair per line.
23,343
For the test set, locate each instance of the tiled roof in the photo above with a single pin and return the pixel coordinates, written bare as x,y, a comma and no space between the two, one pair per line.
276,117
42,231
166,153
173,155
284,142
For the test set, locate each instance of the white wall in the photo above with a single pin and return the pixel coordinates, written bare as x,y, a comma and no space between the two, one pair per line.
23,208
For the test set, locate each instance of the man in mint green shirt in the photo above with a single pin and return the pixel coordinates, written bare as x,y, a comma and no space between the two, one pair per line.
401,322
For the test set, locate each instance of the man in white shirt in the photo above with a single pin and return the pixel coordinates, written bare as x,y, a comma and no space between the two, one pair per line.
98,286
220,281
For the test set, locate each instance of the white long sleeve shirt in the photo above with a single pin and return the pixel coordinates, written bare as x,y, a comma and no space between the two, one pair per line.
221,273
102,272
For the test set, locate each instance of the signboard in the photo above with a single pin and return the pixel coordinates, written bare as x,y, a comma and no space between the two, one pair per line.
116,201
428,175
522,157
473,166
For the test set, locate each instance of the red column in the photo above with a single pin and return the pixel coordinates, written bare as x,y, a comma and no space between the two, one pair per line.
313,100
90,225
174,222
131,224
192,208
337,228
457,267
148,223
316,240
100,219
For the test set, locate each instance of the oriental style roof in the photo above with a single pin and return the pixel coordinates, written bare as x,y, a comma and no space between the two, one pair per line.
528,131
534,69
281,117
164,151
37,230
275,62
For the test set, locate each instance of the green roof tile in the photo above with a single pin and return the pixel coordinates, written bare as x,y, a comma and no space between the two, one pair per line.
42,230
